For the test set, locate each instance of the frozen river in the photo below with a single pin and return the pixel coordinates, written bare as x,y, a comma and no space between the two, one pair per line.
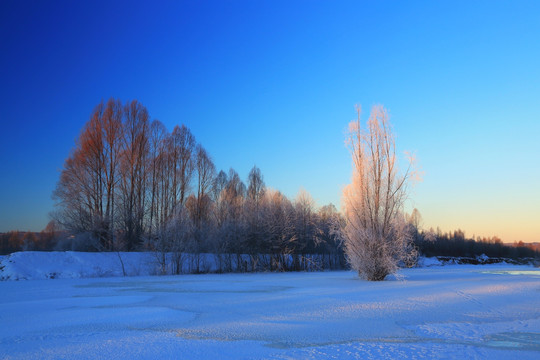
441,312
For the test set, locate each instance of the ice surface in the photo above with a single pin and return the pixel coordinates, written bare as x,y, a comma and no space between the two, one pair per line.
460,312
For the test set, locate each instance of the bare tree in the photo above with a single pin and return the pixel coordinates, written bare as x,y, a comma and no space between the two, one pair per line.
256,187
254,216
112,132
86,189
377,237
200,203
328,235
220,244
133,179
182,144
280,236
305,223
157,140
205,171
171,241
49,235
218,196
233,230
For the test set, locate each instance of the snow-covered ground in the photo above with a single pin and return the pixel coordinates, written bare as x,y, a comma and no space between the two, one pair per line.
459,311
34,265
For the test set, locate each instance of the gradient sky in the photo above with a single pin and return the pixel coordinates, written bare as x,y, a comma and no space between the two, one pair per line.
274,84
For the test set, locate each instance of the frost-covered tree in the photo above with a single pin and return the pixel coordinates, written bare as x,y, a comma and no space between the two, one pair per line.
174,238
376,234
254,239
256,186
278,223
328,235
305,224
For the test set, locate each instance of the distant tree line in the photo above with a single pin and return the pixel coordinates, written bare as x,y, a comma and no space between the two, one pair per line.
45,240
456,244
129,184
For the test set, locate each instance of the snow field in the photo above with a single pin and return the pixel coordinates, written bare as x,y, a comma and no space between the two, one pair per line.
458,311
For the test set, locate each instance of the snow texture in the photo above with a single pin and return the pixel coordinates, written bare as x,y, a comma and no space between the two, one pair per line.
459,311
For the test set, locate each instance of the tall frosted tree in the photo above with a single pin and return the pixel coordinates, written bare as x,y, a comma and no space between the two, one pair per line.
377,237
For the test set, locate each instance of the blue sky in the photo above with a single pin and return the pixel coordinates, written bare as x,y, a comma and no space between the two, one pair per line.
274,84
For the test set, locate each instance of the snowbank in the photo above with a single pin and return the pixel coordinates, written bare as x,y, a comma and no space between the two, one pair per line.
29,265
34,265
70,264
429,261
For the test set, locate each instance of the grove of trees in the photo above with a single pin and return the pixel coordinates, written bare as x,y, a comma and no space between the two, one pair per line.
129,184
